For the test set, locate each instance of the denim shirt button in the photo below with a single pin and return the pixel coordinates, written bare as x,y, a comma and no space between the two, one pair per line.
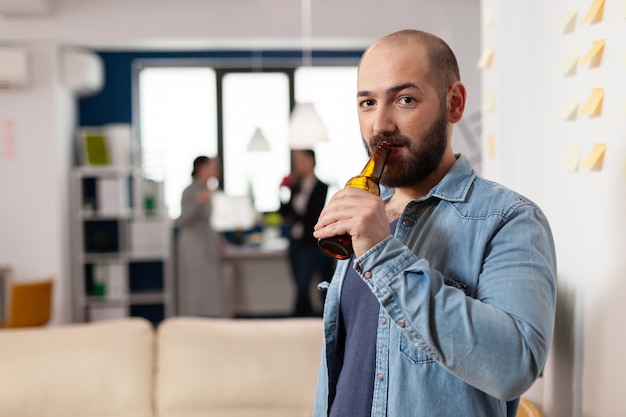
383,320
402,324
368,275
381,377
406,223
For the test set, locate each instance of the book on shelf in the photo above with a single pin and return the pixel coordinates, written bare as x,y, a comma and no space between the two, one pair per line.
117,288
95,148
108,145
112,196
149,237
153,197
119,140
110,281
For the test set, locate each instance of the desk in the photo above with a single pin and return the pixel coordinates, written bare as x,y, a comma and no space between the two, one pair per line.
258,281
5,272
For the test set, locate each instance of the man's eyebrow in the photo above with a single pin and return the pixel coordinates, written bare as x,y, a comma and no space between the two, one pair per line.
391,90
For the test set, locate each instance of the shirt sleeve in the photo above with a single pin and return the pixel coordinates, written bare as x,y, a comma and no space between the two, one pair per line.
496,340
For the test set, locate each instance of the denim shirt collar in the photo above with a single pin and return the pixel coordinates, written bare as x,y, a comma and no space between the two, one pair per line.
453,187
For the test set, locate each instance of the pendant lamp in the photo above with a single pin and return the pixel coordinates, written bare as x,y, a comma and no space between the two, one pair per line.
306,128
258,141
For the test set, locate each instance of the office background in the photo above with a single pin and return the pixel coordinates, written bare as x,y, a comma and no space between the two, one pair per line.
529,141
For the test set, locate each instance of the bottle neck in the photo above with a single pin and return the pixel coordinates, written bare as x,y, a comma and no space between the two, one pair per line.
376,164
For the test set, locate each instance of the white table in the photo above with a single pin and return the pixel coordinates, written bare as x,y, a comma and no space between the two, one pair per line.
259,281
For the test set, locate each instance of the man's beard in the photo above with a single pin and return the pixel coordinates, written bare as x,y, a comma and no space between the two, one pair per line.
424,157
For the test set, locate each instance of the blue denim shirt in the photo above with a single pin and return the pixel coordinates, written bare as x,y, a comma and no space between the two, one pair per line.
467,288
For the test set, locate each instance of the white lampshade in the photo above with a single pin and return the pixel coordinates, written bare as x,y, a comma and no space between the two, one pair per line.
258,141
305,127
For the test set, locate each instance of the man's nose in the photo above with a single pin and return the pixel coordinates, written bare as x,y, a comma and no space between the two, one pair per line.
384,122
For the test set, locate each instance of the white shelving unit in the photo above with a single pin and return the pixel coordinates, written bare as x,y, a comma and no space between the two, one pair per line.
121,255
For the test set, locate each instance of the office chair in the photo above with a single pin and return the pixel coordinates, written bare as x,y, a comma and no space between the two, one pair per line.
30,304
527,409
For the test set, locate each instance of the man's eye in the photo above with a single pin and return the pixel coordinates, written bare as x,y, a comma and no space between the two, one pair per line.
406,100
367,103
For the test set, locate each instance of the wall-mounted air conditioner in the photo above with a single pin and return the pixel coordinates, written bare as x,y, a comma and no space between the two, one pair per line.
82,71
13,67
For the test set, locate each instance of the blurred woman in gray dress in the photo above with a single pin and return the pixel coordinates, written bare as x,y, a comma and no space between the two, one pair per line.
199,263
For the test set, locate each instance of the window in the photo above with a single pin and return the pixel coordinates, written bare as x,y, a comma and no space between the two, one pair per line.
178,120
190,111
255,100
332,90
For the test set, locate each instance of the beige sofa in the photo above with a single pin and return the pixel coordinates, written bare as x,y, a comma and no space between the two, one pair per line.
187,367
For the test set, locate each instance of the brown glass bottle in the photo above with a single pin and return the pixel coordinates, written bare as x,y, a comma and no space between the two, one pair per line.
340,247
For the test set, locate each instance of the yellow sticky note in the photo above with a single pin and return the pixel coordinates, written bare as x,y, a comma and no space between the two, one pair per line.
568,22
595,157
486,58
491,146
569,63
622,109
489,17
489,103
595,11
570,163
622,173
594,103
595,52
570,108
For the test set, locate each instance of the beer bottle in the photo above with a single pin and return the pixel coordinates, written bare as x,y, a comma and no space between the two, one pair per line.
340,247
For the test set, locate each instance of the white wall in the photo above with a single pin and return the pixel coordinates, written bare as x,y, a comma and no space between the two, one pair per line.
34,232
584,376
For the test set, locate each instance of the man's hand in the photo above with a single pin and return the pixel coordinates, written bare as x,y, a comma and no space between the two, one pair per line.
358,213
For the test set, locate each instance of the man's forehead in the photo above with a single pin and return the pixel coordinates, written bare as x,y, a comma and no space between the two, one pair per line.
394,53
387,68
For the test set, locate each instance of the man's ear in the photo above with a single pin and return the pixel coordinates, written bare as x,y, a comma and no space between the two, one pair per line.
456,97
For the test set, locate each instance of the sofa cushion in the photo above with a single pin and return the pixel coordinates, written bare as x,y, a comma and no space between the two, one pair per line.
237,367
102,369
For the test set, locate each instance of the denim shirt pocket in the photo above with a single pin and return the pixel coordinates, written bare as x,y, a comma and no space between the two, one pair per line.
412,352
